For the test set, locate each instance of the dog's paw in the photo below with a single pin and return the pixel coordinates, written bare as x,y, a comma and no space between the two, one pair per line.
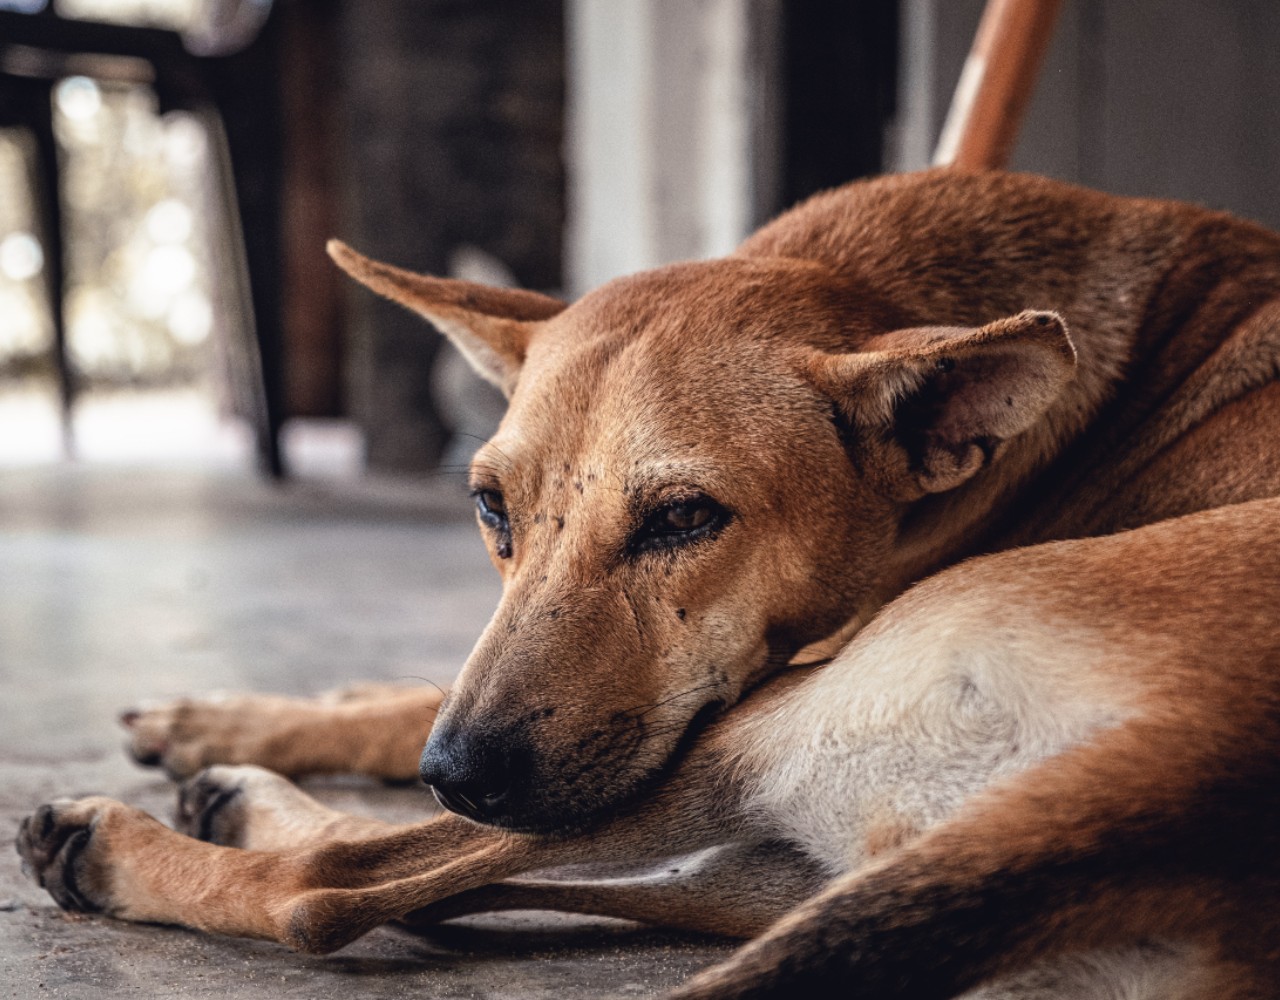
188,734
211,805
249,807
64,848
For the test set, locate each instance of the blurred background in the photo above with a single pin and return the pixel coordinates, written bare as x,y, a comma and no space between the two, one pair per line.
171,169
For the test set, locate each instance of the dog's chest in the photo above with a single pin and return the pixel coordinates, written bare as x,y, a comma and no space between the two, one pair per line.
845,794
913,720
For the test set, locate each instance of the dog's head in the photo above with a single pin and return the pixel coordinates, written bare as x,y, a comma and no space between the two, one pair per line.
696,477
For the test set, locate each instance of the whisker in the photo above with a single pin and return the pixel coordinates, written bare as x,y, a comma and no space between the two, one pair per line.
424,680
639,711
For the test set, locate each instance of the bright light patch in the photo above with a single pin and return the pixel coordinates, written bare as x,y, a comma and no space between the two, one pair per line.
20,256
191,319
169,221
91,330
78,98
170,269
30,426
184,140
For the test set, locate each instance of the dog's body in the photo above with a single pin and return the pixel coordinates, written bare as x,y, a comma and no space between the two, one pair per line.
1053,766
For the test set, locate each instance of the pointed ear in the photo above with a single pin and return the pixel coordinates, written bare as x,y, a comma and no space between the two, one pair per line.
937,404
490,326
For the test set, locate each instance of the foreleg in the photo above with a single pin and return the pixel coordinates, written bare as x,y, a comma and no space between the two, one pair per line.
99,855
735,890
373,729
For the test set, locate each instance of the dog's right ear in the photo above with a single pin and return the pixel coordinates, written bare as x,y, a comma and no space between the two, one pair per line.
490,326
932,406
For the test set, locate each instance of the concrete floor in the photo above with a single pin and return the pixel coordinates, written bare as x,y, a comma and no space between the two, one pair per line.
118,585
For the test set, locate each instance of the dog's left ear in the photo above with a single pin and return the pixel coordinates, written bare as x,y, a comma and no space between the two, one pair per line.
937,404
490,326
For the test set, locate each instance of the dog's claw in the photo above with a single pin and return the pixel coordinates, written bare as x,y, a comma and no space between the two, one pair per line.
206,808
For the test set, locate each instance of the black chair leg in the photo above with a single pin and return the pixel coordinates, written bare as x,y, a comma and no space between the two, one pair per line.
50,211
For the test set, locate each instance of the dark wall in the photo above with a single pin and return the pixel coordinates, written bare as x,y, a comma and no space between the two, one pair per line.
1147,97
839,64
453,122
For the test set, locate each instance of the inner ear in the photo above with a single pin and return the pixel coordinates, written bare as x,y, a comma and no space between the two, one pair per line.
933,406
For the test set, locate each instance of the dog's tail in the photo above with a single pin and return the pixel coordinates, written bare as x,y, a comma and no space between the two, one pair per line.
1164,829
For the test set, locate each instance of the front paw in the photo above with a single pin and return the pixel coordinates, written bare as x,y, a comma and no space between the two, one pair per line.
249,807
229,804
62,849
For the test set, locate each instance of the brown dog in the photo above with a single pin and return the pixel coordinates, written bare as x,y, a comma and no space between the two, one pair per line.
711,470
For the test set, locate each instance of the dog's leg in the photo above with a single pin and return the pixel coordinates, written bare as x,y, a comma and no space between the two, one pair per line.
98,855
374,729
1168,820
735,890
1080,780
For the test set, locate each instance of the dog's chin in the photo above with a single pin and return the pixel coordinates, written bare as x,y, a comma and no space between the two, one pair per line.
545,816
548,808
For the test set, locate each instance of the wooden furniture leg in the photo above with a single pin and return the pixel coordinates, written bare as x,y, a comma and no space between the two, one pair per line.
996,84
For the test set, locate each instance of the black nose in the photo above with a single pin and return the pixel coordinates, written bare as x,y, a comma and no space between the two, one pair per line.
473,772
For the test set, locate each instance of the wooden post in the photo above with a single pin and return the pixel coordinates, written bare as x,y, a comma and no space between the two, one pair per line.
996,84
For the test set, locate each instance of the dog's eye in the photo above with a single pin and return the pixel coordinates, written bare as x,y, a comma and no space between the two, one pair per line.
681,517
680,522
493,515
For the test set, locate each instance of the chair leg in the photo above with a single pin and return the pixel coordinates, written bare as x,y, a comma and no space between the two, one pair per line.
996,84
50,211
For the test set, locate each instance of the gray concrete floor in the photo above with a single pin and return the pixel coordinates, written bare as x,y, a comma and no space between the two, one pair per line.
118,585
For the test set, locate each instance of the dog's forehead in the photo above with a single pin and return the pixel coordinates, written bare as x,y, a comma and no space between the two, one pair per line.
663,378
646,412
772,299
692,367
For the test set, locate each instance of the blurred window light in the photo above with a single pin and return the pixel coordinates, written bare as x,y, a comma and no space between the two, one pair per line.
91,334
170,425
169,269
169,221
208,27
26,327
172,14
186,144
146,299
139,197
30,425
20,256
23,331
24,6
78,98
191,318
